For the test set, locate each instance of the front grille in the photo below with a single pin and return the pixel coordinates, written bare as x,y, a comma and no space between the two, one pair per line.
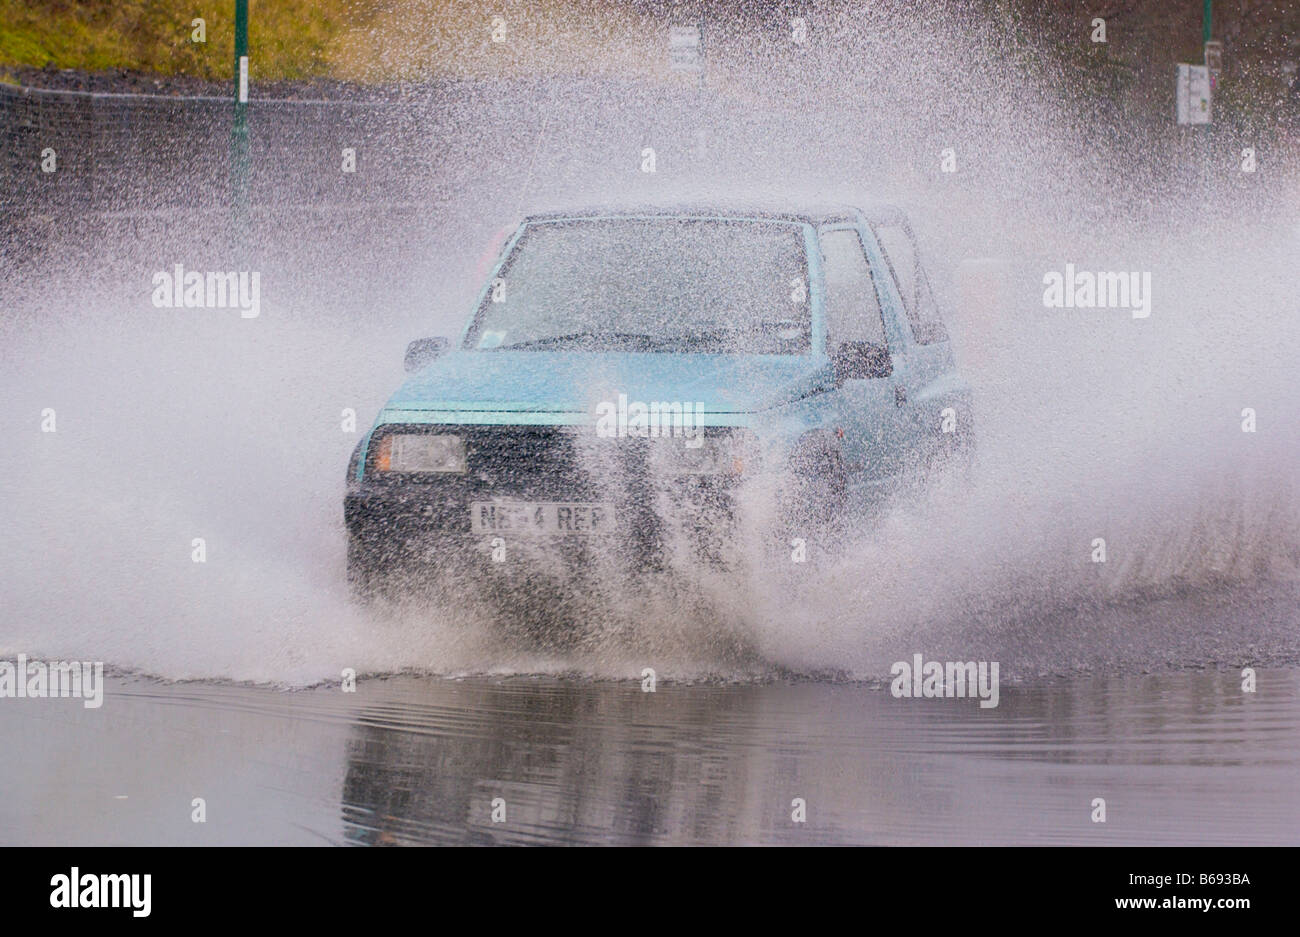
543,463
524,458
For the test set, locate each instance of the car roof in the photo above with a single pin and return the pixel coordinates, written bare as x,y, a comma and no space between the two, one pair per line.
811,214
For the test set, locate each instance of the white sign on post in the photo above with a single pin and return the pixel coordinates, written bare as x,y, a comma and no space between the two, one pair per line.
1214,62
1193,94
684,49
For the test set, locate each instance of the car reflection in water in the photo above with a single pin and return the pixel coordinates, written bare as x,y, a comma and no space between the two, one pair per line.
599,762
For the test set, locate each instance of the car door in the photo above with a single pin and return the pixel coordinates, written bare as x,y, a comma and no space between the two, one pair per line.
866,414
937,407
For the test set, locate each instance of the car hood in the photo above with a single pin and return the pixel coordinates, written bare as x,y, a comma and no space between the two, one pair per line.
569,382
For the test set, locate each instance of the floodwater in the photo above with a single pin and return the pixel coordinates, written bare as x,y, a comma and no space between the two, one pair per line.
1179,756
1121,681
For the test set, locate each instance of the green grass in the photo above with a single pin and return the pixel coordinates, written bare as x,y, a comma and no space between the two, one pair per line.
290,38
383,40
357,40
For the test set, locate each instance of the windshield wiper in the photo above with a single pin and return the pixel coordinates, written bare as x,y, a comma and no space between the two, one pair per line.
683,341
722,336
590,336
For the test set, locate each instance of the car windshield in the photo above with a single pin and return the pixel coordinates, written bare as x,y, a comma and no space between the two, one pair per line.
650,284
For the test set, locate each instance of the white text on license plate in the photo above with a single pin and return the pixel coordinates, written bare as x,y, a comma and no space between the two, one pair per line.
549,517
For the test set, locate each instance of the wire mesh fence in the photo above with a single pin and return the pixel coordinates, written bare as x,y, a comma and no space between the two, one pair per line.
64,151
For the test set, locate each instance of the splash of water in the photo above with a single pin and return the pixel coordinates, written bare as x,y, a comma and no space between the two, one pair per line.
183,424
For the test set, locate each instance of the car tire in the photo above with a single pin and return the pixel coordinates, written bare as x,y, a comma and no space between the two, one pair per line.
956,457
813,502
362,575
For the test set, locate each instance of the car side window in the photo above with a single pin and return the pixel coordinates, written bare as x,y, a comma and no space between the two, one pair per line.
913,285
928,327
852,310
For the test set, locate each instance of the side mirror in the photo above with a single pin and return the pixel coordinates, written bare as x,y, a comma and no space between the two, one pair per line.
423,350
854,361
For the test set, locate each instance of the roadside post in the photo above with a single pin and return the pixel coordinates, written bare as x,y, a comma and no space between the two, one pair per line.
686,51
686,56
239,151
1195,86
1193,108
1212,59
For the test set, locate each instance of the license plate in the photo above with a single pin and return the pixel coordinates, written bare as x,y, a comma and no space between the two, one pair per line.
548,517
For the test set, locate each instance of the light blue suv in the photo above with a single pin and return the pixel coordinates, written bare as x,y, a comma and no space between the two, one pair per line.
625,374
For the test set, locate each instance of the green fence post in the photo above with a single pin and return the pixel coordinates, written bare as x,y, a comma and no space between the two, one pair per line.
239,168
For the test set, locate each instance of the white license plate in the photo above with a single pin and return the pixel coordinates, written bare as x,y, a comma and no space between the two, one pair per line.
547,517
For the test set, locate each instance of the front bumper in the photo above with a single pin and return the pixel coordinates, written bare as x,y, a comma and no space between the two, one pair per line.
428,518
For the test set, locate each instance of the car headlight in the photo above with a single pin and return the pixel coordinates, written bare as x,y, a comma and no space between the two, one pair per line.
421,452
